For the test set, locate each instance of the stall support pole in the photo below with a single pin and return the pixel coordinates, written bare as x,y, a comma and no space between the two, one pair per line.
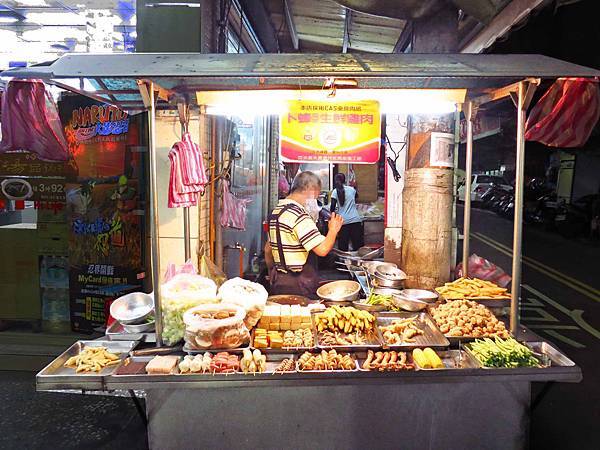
184,119
525,93
218,161
187,246
468,175
186,234
154,230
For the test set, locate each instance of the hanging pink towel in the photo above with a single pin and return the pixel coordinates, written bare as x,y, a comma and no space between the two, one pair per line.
179,196
188,176
30,121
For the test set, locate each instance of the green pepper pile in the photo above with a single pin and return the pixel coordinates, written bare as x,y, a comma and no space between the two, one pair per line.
503,353
384,300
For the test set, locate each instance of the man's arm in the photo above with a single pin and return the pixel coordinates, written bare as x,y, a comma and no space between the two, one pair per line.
335,224
269,255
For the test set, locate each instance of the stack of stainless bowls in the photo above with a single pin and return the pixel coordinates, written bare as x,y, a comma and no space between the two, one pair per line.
133,310
389,276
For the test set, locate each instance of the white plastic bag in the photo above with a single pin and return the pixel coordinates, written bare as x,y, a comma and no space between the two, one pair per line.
204,329
251,296
179,294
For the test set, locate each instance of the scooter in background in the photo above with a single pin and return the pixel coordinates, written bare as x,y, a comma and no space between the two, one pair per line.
574,219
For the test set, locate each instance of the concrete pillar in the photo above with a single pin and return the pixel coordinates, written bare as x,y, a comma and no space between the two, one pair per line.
437,33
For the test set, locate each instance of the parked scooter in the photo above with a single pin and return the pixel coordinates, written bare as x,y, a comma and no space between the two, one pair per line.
493,197
574,219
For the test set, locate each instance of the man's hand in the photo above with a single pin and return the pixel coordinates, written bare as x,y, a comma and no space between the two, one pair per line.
335,223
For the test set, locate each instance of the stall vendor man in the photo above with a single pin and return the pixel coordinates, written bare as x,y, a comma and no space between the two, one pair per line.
294,240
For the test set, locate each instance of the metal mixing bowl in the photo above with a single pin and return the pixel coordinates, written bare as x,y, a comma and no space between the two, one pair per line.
132,309
390,272
140,328
371,308
370,266
408,303
386,283
420,294
339,291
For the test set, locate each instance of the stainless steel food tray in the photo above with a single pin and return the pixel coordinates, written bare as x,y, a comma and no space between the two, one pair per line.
352,355
143,359
274,359
547,355
116,332
557,358
194,351
362,356
268,350
456,341
454,359
56,376
374,342
544,362
431,337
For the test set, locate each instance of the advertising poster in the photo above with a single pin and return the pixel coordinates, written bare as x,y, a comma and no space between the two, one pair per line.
103,203
331,132
441,153
24,177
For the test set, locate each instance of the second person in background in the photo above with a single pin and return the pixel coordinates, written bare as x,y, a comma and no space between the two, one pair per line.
343,198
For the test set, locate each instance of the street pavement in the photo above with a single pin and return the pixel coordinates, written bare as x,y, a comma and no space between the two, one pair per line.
561,303
45,420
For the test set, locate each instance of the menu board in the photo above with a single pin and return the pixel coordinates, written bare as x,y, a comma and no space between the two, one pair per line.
330,131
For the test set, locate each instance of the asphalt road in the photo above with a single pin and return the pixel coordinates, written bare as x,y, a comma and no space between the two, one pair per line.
45,420
561,303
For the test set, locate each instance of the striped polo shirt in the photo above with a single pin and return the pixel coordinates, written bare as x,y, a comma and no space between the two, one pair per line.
299,235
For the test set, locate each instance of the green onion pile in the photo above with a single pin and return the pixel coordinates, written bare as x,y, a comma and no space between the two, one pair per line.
384,300
503,353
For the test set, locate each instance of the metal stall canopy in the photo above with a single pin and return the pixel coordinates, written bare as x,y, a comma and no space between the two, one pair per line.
113,77
130,81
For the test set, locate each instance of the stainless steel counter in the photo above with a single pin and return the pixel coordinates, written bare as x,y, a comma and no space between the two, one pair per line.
450,409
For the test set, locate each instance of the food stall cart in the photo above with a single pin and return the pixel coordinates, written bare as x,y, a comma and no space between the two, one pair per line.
470,406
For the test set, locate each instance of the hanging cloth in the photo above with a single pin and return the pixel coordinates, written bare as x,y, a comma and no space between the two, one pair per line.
188,176
234,210
195,173
566,114
178,196
30,121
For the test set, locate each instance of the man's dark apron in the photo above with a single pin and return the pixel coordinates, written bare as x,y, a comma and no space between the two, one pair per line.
305,282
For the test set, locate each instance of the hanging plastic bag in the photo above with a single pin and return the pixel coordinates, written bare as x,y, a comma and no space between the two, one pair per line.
173,270
30,121
209,269
566,114
484,270
234,210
